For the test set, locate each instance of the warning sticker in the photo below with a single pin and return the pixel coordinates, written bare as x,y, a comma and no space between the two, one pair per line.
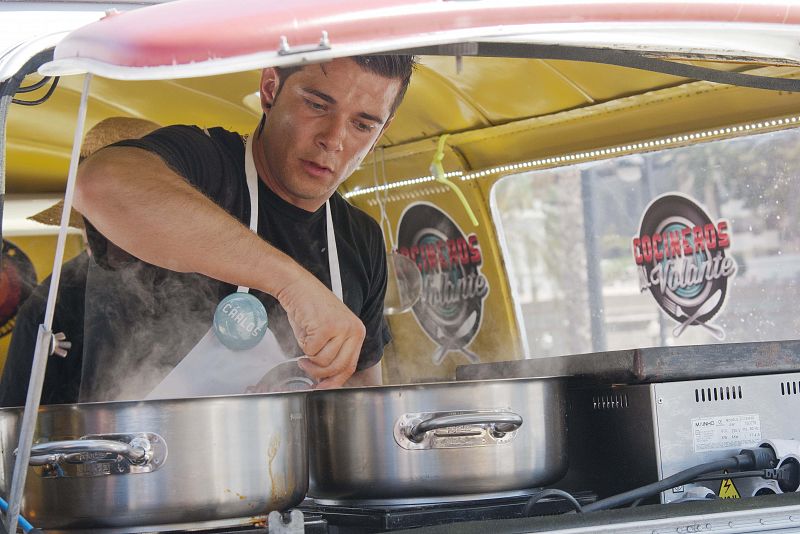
727,490
725,432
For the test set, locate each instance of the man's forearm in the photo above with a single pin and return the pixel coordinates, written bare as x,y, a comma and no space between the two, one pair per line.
145,208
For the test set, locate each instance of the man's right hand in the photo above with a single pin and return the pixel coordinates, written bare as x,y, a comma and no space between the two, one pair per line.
326,330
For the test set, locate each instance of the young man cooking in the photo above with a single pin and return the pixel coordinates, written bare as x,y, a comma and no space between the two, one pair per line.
168,220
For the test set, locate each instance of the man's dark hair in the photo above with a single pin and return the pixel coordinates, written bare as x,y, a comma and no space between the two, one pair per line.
396,67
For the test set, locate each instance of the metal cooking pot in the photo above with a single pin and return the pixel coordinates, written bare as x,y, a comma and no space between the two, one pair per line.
164,462
436,440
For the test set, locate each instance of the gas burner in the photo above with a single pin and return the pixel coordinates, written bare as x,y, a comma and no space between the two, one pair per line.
397,514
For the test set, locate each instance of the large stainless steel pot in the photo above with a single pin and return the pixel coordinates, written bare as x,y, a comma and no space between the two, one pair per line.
163,462
436,440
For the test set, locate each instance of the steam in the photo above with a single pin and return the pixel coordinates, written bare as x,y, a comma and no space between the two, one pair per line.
137,321
141,321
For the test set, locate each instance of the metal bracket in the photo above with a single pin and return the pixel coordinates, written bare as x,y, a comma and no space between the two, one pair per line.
459,49
277,525
285,49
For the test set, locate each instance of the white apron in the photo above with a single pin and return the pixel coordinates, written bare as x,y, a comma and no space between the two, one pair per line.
211,368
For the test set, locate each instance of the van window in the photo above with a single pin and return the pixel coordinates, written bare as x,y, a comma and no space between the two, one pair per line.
728,212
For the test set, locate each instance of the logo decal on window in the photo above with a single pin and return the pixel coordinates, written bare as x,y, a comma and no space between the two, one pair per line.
453,287
681,259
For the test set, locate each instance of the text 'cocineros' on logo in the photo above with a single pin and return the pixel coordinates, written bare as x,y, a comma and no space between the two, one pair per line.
681,258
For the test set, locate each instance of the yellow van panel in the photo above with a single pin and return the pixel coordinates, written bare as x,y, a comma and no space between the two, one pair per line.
412,354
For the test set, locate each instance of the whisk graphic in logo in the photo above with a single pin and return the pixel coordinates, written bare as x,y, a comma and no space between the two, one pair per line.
681,259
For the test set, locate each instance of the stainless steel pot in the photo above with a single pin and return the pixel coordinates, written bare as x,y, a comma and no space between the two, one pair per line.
441,439
163,462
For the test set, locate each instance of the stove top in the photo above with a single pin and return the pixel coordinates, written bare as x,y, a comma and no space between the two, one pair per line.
342,517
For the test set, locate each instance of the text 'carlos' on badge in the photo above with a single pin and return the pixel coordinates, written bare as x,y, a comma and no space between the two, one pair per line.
240,321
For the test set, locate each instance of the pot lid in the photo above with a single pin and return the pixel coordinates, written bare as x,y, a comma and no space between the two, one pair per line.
190,38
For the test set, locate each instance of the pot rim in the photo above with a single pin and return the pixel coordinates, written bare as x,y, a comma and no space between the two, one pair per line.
117,405
440,384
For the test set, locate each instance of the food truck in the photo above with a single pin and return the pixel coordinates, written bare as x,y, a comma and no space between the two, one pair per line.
590,215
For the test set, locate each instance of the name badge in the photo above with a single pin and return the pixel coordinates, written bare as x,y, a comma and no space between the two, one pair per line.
240,321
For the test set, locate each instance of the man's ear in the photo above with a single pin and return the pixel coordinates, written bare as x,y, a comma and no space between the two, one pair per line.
270,81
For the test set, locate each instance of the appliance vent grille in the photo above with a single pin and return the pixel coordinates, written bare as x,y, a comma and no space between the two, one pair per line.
790,388
716,394
610,401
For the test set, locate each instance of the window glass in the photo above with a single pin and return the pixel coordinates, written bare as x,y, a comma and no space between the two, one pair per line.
572,236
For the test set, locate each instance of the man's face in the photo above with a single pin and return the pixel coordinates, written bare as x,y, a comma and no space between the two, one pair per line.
323,123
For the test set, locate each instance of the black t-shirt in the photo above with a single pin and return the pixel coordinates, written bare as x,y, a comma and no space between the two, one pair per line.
142,319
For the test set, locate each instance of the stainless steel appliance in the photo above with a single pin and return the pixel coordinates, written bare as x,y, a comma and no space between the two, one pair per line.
632,411
645,432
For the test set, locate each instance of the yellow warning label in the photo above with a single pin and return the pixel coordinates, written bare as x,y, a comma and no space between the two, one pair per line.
727,490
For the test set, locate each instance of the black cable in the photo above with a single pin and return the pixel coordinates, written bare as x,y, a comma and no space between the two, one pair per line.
784,473
38,85
762,458
624,58
40,100
677,479
740,474
526,512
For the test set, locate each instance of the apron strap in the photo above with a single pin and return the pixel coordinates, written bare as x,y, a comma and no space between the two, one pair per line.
333,255
252,188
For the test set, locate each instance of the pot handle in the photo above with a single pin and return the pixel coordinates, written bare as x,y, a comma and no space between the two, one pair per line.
500,423
74,451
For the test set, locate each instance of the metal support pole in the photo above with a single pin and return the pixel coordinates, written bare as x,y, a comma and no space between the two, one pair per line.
28,425
5,102
45,335
594,276
648,194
